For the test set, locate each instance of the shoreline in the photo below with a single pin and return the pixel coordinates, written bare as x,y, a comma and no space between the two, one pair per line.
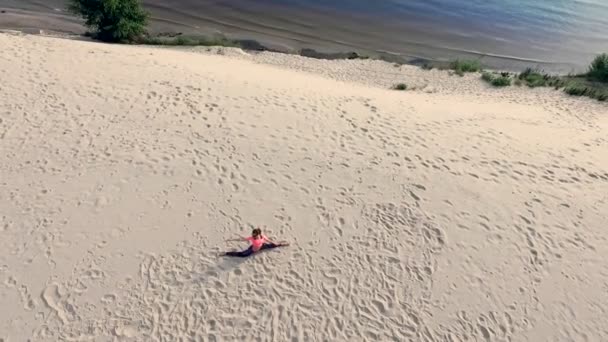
277,39
256,46
353,69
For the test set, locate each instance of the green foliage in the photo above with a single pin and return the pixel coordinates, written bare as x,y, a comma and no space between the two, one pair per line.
112,20
532,78
593,84
188,41
535,78
598,70
400,86
502,80
488,77
594,91
575,89
460,67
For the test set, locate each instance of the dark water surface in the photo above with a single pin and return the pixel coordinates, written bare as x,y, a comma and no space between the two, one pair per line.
558,35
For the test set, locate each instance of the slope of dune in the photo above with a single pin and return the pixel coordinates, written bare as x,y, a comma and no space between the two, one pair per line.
453,212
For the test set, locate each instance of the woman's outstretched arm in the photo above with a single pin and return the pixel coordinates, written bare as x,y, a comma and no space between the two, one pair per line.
280,243
240,238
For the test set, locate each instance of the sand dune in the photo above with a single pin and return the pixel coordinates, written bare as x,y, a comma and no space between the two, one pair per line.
453,212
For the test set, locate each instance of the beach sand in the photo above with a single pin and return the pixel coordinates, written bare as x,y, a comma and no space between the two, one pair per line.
451,212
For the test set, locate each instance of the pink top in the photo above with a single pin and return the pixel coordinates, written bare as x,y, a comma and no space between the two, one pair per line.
257,243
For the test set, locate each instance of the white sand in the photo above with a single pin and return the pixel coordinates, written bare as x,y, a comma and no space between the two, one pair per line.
454,212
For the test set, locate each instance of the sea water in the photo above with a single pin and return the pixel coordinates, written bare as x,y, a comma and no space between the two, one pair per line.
552,31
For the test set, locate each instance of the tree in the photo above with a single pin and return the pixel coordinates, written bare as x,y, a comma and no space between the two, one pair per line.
112,20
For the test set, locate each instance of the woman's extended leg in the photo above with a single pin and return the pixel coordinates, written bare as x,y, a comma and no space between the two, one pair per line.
241,254
274,245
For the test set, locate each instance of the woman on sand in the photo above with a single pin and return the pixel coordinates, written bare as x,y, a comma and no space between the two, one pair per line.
258,242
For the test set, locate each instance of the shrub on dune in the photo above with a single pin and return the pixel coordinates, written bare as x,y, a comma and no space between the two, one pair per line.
463,66
112,20
488,77
400,86
189,41
598,70
593,84
582,89
535,78
502,80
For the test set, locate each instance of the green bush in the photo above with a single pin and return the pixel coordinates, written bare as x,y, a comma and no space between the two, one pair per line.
400,86
581,89
488,77
462,66
188,41
112,20
576,90
598,70
534,78
502,80
593,84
